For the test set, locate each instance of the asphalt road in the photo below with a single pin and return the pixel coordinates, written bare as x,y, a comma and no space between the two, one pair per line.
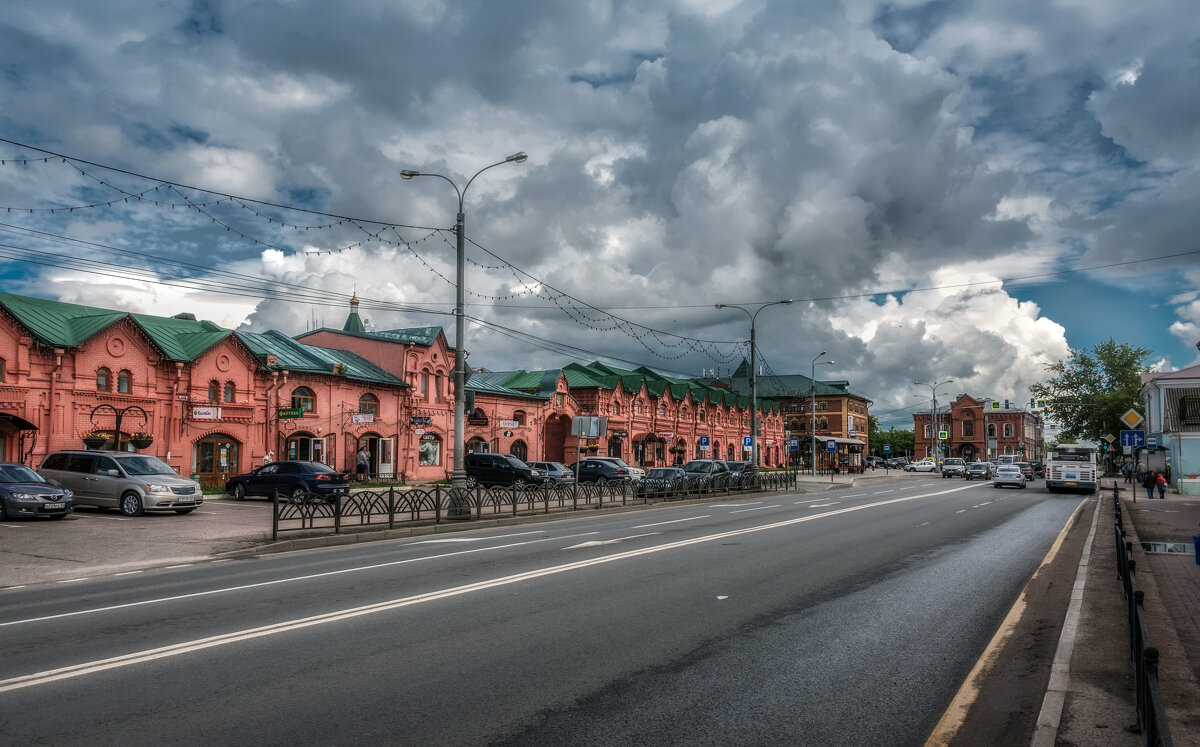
845,618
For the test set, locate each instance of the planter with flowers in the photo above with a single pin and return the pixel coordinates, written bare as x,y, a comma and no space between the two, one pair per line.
94,439
591,449
141,440
678,449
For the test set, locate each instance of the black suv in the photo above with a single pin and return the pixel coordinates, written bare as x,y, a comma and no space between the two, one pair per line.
601,470
499,469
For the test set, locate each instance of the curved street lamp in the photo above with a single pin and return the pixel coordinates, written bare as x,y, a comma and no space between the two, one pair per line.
753,376
813,430
458,478
933,433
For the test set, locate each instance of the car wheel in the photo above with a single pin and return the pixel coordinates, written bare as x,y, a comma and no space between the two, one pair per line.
131,504
519,482
472,481
183,511
298,495
601,480
238,491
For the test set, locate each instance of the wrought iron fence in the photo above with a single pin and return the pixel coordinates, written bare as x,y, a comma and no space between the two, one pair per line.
439,503
1151,715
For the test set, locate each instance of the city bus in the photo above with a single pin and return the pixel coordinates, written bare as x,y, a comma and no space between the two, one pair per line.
1072,467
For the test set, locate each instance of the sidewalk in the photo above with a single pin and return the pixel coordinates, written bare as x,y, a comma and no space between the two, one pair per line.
1101,692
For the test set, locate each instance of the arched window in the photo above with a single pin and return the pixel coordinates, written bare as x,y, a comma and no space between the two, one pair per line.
425,385
991,430
437,388
368,404
103,379
824,424
700,415
614,409
662,410
519,450
519,416
214,391
637,406
928,430
429,453
229,393
683,413
1,370
1008,430
304,399
124,381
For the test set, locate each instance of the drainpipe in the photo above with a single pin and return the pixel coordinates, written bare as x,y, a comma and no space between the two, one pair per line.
175,402
58,356
267,416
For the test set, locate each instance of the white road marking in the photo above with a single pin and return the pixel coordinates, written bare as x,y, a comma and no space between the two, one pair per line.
598,543
183,647
725,505
824,505
181,565
72,580
881,492
673,521
810,500
126,573
923,524
724,596
759,508
961,511
446,540
13,526
277,581
108,518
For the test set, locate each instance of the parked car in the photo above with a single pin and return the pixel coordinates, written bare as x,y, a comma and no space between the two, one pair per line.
706,468
662,481
1027,470
895,463
292,478
24,492
556,472
1008,474
978,471
601,470
953,467
484,468
925,465
126,480
737,471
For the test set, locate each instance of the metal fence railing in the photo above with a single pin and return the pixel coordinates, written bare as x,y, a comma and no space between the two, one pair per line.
1151,715
438,503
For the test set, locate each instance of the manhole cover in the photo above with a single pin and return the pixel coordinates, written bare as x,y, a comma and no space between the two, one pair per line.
1168,548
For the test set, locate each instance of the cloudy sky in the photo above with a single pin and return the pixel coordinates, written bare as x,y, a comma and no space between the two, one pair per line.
949,190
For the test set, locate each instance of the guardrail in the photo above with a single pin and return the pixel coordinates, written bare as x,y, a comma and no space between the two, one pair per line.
1151,715
441,503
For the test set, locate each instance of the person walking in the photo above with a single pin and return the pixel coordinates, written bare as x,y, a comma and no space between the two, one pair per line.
1127,471
1161,484
1149,483
363,464
268,458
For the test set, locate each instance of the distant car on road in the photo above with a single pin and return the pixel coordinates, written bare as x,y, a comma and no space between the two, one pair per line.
978,471
953,467
1008,474
24,492
602,470
662,481
1028,470
895,463
293,479
925,465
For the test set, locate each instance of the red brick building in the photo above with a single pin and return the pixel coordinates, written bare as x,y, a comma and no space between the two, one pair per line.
965,421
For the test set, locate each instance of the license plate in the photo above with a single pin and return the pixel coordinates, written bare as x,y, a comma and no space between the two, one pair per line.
54,505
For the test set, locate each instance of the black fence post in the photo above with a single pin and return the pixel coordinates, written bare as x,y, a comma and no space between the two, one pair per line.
437,504
337,513
275,517
391,507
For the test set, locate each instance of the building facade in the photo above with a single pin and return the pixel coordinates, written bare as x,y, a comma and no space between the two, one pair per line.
1171,401
979,430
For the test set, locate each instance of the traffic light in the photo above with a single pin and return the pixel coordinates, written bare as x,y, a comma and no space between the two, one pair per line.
1103,446
1020,452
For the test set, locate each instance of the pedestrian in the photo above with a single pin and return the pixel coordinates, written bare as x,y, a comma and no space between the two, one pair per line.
1149,482
1127,471
268,458
1161,483
363,464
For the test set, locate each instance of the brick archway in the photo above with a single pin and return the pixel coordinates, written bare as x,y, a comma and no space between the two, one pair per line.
555,438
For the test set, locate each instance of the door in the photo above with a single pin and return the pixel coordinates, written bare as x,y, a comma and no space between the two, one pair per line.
260,481
77,476
106,487
384,452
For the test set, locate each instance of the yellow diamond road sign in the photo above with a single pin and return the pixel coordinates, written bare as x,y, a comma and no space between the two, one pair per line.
1131,418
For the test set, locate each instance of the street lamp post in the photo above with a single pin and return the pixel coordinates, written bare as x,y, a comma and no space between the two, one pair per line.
753,376
812,380
933,414
458,478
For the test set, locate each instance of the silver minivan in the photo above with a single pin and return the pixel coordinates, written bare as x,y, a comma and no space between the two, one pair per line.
126,480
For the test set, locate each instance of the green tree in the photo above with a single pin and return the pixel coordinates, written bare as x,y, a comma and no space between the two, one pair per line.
900,441
1090,391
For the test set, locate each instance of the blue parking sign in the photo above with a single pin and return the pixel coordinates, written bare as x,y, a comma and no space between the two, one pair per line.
794,443
887,448
831,446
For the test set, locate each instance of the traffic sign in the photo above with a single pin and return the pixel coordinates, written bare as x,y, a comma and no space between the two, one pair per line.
1152,443
794,443
831,446
943,435
887,448
1133,438
703,440
1131,418
852,433
747,443
1110,438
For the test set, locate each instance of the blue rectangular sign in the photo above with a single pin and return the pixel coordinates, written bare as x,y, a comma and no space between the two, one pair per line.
887,448
747,441
794,444
1133,438
831,446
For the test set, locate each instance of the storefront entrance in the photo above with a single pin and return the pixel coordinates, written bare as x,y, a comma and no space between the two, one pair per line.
215,459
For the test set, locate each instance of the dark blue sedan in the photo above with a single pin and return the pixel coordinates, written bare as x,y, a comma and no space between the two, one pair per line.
24,492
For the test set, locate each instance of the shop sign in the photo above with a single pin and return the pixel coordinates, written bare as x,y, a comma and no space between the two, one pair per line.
204,413
667,435
291,412
420,420
419,431
620,434
508,424
362,417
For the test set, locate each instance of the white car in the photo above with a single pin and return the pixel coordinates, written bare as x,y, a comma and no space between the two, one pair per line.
1009,474
925,465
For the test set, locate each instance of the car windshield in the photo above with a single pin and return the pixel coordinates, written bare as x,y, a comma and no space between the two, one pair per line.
1009,468
322,469
697,465
516,462
18,473
146,465
557,466
661,472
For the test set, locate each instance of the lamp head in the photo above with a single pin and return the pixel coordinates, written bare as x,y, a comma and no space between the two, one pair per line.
516,158
409,174
720,306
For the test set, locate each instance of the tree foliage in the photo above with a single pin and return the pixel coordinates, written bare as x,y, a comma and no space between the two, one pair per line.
1090,391
900,441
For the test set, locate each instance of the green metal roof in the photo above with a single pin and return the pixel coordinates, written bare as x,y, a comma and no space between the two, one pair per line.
69,325
296,356
496,382
425,336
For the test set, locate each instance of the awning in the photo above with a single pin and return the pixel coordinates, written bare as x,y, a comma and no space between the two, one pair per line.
838,440
17,422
